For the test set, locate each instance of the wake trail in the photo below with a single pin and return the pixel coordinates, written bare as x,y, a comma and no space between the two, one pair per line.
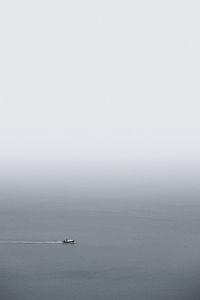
30,242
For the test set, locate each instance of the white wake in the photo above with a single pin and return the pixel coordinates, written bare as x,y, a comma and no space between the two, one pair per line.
30,242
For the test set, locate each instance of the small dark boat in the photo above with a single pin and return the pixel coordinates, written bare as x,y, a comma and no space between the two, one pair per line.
68,241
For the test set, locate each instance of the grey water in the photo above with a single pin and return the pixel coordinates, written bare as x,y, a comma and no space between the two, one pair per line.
134,247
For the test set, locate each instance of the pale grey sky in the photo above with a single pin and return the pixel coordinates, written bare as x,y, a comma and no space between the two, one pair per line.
99,80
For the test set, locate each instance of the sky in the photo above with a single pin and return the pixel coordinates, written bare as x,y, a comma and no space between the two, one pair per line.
99,80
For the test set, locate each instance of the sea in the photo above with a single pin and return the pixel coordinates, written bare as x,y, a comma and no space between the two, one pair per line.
133,242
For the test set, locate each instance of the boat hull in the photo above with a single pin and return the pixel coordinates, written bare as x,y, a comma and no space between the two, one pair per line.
68,241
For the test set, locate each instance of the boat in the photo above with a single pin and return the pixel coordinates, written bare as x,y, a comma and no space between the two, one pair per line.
68,241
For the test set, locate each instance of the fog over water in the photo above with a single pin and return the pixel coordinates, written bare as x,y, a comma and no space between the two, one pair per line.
99,141
136,228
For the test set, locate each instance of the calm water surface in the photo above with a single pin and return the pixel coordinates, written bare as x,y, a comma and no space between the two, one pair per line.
133,251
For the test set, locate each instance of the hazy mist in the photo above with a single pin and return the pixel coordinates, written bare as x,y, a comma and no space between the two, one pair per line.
99,142
99,80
